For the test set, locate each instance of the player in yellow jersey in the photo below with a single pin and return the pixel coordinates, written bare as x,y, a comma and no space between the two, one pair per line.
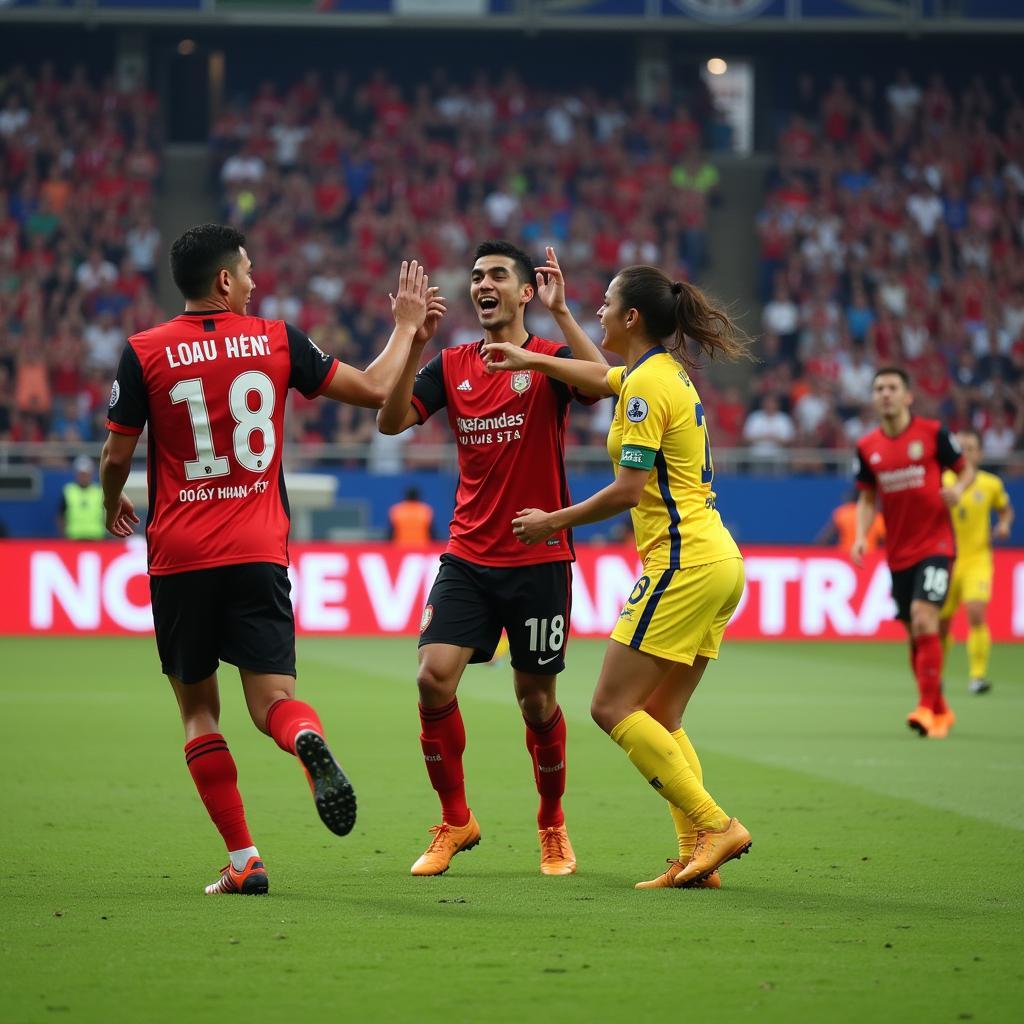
971,584
692,581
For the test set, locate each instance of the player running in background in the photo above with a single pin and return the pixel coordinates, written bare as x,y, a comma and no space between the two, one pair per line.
971,584
211,384
901,465
511,442
675,618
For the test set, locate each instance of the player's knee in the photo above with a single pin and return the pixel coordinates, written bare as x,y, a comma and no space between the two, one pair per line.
436,685
537,706
604,714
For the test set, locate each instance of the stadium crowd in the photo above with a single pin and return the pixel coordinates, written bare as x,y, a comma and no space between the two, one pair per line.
79,163
892,234
335,181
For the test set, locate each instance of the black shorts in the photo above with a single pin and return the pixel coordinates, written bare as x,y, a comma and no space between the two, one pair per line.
469,605
241,614
927,580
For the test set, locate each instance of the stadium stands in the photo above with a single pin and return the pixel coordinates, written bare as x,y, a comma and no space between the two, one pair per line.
79,163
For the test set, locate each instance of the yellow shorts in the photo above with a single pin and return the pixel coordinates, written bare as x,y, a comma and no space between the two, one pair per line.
681,613
971,581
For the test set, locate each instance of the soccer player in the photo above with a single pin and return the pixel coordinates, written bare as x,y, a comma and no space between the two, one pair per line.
211,384
971,584
674,620
901,464
511,442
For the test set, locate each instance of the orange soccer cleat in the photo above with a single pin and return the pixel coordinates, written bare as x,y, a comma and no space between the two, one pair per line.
921,720
250,881
448,840
556,855
666,880
713,849
941,724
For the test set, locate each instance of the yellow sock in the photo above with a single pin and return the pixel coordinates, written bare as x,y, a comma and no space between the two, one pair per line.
979,646
685,832
657,756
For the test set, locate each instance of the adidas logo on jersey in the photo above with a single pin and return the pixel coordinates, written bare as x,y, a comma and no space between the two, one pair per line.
465,386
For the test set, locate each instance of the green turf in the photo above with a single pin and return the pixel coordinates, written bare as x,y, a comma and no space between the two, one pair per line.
885,881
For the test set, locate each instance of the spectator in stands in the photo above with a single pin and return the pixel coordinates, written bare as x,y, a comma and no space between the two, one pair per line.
768,430
411,521
81,515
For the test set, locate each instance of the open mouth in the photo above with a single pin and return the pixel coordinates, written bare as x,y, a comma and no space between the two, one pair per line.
488,304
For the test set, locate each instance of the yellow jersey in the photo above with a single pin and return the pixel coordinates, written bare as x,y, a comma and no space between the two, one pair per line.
659,425
972,515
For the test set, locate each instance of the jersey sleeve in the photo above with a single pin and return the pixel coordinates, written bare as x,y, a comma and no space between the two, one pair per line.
312,368
647,413
129,402
1000,499
428,392
615,378
570,392
864,475
947,451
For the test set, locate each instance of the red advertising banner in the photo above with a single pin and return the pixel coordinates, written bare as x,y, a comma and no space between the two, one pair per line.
65,588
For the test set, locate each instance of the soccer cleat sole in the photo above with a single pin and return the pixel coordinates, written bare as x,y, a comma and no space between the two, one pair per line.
335,798
919,728
255,885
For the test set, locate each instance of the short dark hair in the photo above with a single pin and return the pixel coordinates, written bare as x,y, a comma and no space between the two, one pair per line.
412,494
499,247
974,433
893,371
200,254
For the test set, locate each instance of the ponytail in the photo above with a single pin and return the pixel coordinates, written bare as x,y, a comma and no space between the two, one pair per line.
676,310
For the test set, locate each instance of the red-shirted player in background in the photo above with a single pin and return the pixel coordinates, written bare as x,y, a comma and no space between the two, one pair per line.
510,430
901,463
211,384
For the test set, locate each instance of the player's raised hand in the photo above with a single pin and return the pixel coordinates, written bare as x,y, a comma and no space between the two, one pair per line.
531,526
551,283
436,309
122,520
409,303
503,355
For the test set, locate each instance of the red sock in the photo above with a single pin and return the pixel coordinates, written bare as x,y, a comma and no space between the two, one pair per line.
546,744
287,718
444,741
213,771
928,670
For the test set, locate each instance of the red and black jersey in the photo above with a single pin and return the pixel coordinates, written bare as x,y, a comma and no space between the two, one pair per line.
906,471
510,429
212,387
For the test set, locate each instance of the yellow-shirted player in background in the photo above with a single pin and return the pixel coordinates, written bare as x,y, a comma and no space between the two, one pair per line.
971,584
692,581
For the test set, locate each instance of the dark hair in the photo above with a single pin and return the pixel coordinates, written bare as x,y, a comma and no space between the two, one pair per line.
200,254
974,433
412,494
679,310
893,371
499,247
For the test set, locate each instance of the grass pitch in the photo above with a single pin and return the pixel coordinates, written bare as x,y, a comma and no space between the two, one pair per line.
885,881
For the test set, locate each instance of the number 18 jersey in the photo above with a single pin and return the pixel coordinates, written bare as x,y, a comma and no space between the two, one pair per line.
212,388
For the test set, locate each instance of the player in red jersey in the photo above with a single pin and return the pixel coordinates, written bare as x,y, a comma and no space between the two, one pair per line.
901,464
211,385
510,431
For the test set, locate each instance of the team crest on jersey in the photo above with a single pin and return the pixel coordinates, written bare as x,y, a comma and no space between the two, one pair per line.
521,381
915,449
636,410
115,394
428,615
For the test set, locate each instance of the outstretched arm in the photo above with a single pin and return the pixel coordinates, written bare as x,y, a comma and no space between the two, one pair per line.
115,465
532,525
371,387
589,377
